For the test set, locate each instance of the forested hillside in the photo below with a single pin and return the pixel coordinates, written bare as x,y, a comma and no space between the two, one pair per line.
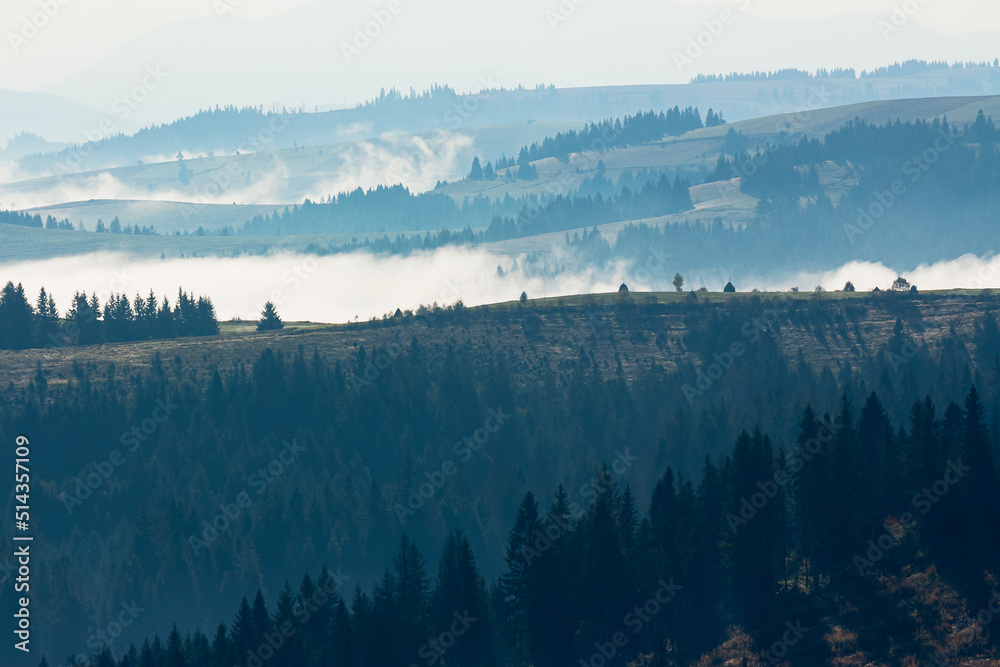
406,334
728,203
901,179
744,563
249,463
905,178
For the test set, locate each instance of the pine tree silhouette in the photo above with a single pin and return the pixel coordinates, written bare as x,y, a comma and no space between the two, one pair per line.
269,319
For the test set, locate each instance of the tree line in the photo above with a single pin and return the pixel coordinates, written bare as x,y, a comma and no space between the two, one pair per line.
641,128
380,209
23,219
87,321
653,198
905,68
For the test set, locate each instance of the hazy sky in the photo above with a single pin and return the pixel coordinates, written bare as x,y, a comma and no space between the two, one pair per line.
80,33
946,16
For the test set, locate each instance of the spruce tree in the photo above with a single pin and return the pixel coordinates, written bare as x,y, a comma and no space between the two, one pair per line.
411,595
242,631
517,582
876,458
555,582
16,318
269,319
461,591
175,652
46,319
221,653
604,583
290,653
476,173
978,490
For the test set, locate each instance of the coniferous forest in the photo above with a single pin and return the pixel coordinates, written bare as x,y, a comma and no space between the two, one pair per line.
767,533
490,348
437,498
87,321
909,175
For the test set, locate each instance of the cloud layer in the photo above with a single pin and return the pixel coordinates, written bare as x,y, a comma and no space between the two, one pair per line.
339,288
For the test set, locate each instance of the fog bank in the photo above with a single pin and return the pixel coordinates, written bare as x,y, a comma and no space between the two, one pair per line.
335,288
340,288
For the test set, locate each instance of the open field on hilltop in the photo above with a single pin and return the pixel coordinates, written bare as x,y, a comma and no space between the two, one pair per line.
740,100
555,177
817,122
165,216
240,327
286,176
712,200
638,330
718,297
701,148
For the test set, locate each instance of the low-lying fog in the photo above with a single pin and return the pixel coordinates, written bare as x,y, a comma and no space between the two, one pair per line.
335,288
416,161
339,288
